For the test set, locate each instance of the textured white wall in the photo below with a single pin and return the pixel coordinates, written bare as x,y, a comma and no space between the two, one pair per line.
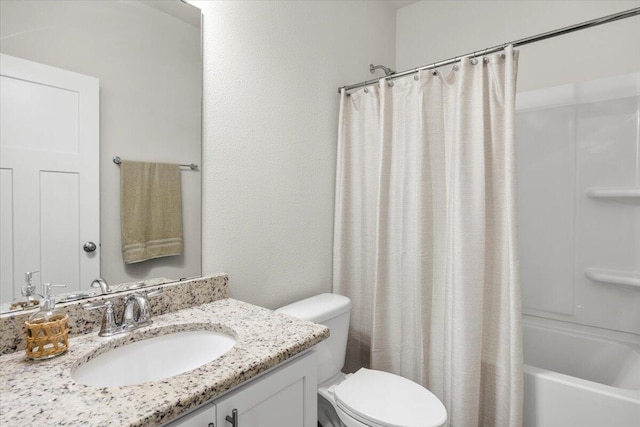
271,72
429,31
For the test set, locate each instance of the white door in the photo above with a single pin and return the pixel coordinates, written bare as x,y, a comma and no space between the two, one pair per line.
49,176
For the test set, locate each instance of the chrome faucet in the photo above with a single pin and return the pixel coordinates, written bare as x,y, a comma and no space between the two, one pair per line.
132,318
136,314
102,284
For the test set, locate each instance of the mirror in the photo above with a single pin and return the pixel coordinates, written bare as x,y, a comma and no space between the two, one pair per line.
134,76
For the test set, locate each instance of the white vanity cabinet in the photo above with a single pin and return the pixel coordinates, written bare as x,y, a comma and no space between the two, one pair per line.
204,416
283,397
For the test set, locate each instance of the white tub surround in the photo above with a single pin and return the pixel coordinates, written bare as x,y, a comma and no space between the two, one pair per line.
45,394
579,236
578,152
579,376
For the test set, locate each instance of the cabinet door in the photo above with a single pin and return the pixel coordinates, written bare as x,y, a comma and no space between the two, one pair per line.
201,417
286,397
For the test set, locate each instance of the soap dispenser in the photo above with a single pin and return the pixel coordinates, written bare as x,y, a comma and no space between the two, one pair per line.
47,330
29,297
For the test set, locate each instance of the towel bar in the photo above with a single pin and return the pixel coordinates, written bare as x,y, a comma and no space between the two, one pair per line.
117,160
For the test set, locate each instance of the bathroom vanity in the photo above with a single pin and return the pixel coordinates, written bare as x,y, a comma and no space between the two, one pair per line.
267,378
284,397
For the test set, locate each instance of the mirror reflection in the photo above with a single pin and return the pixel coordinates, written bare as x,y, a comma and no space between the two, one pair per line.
82,83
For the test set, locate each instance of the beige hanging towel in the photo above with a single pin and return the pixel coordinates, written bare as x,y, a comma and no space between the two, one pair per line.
150,210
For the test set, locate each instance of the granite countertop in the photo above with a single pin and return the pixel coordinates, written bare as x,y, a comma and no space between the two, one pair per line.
43,393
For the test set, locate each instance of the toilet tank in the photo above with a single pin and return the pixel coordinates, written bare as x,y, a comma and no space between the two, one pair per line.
333,311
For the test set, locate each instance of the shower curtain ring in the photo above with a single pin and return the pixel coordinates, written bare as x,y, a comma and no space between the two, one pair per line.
435,70
415,76
474,60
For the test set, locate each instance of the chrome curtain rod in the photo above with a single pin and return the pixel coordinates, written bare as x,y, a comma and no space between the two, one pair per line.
118,161
549,34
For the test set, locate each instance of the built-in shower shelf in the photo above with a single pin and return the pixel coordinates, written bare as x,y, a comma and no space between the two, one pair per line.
622,278
618,194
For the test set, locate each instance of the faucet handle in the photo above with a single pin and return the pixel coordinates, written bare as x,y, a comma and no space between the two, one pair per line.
109,326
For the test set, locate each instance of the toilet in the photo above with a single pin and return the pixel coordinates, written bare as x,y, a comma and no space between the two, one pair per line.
367,398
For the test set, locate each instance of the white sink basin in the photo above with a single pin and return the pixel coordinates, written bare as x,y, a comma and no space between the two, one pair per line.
154,359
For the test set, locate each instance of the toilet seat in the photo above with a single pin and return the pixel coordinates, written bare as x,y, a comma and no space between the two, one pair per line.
380,399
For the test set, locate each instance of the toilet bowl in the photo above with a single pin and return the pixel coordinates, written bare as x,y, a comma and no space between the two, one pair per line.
367,398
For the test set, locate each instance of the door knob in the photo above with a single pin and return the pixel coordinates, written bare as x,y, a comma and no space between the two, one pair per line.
89,247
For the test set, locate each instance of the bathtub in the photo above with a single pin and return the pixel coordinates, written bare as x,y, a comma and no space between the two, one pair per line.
575,376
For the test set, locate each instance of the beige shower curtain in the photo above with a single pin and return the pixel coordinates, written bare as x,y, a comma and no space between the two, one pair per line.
425,236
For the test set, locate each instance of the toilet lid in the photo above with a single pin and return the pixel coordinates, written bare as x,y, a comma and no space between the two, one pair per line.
382,399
